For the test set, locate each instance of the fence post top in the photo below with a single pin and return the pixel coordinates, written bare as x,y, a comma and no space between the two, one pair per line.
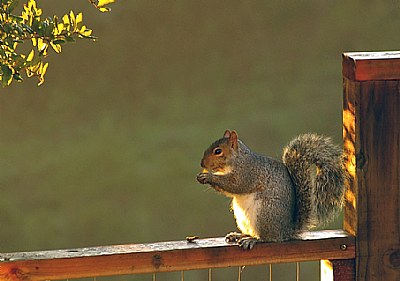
365,66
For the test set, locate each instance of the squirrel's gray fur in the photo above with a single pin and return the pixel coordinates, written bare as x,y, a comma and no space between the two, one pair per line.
303,190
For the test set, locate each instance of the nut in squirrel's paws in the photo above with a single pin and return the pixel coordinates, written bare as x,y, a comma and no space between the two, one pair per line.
203,178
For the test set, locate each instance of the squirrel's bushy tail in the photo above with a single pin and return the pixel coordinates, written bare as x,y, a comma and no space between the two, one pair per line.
317,170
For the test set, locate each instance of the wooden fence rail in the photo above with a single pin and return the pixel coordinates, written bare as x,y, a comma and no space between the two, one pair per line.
170,256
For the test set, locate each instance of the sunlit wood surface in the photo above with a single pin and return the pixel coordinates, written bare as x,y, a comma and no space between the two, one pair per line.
170,256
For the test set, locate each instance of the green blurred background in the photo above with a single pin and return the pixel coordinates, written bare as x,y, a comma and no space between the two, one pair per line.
107,150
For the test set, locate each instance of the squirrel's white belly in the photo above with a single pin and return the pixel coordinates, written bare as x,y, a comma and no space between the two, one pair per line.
245,208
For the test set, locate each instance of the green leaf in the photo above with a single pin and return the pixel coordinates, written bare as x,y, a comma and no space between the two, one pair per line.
9,41
20,62
19,29
35,25
12,6
27,28
49,29
17,18
70,39
7,27
18,77
6,78
59,41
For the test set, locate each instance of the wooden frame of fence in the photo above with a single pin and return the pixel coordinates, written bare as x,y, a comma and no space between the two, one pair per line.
371,133
367,249
170,256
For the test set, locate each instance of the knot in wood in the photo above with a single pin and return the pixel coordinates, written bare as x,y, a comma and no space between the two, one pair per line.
157,261
360,160
392,258
17,273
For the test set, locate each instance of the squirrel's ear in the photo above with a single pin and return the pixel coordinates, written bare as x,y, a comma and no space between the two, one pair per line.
227,134
233,140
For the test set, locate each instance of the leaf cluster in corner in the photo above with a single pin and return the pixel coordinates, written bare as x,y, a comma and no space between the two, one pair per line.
41,34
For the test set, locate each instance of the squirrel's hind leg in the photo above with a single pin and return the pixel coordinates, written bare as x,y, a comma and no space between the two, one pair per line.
248,243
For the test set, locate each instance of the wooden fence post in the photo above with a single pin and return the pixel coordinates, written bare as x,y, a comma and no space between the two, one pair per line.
371,131
337,270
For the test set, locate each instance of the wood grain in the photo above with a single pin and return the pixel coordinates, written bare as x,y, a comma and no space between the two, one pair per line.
371,129
170,256
338,270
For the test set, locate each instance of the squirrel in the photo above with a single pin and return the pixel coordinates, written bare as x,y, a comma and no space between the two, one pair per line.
276,200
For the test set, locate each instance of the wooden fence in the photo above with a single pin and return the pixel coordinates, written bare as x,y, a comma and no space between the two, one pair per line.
368,247
371,131
170,256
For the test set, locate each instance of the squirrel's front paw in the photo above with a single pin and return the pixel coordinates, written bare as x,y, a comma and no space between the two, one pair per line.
203,178
243,240
234,237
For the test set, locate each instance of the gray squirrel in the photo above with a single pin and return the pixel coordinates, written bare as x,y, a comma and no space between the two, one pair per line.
276,200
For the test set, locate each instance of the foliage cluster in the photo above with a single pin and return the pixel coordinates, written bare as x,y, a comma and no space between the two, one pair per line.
43,33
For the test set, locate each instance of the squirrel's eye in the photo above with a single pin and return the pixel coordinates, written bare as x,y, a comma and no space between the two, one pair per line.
218,151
